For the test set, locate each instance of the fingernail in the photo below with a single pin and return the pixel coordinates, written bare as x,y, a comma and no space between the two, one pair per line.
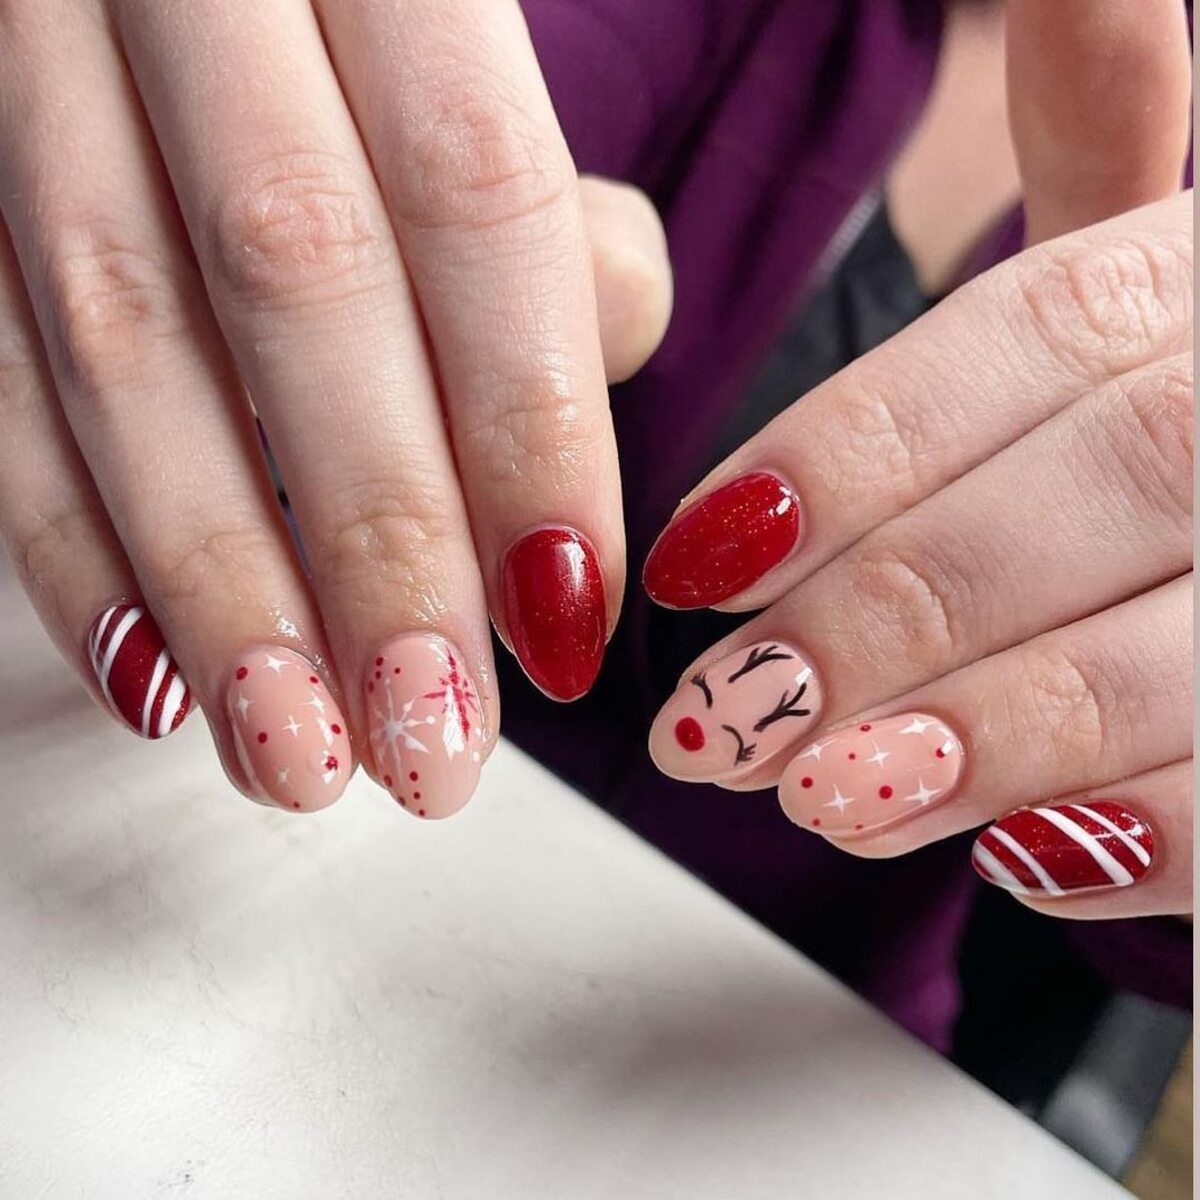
737,714
1065,848
723,543
426,724
289,734
136,672
873,775
554,609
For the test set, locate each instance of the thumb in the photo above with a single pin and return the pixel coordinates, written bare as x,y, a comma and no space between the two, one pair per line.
1098,98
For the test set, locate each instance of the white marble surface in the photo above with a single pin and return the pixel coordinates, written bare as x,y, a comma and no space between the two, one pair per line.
205,1000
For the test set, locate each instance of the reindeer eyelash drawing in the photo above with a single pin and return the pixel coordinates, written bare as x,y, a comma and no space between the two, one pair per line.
744,753
701,681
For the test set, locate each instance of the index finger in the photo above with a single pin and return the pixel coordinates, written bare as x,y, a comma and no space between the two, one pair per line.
482,193
991,362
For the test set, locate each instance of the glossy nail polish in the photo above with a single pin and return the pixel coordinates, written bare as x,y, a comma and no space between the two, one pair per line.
724,542
554,610
426,724
873,775
733,716
1065,848
136,672
289,734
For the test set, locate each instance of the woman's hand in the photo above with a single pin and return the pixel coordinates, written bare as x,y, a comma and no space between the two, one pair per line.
364,215
975,547
974,544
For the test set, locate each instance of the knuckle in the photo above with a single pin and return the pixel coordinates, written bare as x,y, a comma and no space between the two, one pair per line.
1068,704
49,548
911,604
540,431
296,226
210,565
881,440
1104,307
478,161
1158,452
393,534
113,304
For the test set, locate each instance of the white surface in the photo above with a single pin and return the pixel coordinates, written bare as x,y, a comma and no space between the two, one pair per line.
201,999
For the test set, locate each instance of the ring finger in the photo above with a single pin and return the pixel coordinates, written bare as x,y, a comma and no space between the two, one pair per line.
1074,709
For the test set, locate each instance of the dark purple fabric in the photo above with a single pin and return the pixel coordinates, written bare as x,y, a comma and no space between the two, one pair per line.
756,126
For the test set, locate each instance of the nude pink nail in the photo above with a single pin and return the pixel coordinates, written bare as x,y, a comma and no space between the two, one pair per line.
873,775
289,733
426,724
726,720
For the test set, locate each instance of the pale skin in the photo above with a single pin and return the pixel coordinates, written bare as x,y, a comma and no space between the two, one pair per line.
379,234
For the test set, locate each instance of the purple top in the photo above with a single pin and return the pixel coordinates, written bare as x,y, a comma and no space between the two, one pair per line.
756,127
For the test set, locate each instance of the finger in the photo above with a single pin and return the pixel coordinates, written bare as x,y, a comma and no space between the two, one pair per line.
54,528
1090,508
1066,859
632,270
305,276
993,361
144,381
1077,708
1098,105
482,193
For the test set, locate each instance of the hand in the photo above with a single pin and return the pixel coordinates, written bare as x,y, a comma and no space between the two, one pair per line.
974,549
364,215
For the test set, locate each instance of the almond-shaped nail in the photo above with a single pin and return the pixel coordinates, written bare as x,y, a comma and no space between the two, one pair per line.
726,720
724,542
426,724
136,672
873,775
289,734
1065,848
555,610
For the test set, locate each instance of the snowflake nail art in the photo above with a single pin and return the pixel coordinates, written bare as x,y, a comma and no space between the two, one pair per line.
426,724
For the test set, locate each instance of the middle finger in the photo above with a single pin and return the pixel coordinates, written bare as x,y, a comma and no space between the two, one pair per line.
1087,510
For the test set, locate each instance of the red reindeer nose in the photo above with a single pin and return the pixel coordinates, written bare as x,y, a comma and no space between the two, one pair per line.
689,734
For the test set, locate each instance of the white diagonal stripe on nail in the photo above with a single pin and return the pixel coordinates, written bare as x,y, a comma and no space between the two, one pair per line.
1105,861
127,622
171,704
161,663
1018,851
997,871
1135,847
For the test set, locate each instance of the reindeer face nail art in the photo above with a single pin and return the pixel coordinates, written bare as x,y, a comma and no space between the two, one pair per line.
736,714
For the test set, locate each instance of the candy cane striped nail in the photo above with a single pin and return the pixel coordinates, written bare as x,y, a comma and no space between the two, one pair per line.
1065,848
136,672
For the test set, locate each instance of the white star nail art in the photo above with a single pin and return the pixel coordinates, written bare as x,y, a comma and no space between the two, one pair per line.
840,802
293,726
917,726
315,702
814,751
880,756
923,795
281,777
276,664
243,705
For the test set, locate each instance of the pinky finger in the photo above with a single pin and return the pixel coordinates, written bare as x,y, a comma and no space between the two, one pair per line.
1120,851
55,529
